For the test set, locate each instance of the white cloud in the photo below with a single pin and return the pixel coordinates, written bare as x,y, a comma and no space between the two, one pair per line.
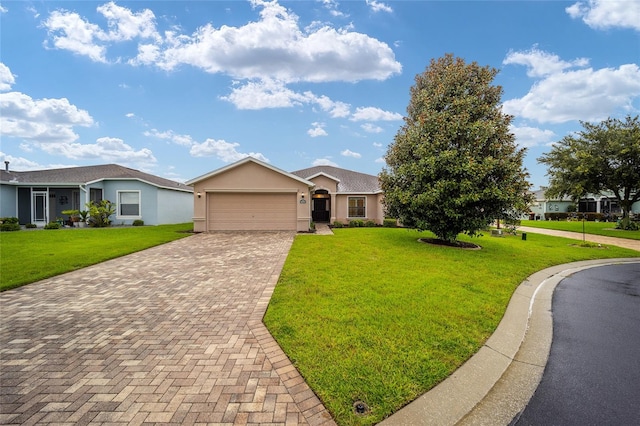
274,94
69,31
532,136
40,120
170,135
371,128
26,147
314,55
377,144
264,94
323,162
33,11
540,63
105,149
374,114
317,130
317,53
587,94
332,7
381,160
562,93
6,78
349,153
336,109
223,150
3,9
603,14
378,6
20,163
125,25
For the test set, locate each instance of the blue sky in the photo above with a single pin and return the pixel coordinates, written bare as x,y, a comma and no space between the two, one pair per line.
180,88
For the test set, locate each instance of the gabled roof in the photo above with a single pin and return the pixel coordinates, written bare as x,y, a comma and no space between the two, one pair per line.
244,161
348,180
541,196
85,175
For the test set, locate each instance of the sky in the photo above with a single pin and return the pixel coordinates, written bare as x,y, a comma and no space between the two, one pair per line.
181,88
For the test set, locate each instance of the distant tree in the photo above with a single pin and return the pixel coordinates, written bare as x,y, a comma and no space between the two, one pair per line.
453,166
601,157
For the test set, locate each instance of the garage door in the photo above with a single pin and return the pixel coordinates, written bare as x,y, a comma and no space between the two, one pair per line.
252,211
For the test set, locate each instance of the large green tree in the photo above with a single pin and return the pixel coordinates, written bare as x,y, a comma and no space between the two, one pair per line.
602,157
454,166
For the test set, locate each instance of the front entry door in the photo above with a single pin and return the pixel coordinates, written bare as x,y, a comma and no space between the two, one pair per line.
40,208
320,212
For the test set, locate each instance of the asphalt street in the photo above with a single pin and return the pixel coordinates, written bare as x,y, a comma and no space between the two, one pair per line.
592,376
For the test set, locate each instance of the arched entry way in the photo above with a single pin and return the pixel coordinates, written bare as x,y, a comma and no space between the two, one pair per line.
321,208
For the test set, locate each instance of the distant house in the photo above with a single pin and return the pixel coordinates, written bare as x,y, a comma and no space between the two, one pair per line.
40,196
253,195
605,204
543,205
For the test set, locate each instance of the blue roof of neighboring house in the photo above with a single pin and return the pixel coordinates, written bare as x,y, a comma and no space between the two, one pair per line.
87,174
348,180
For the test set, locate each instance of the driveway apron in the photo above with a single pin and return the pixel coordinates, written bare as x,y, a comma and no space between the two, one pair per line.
172,334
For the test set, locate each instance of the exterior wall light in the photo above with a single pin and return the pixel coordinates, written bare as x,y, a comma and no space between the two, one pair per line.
199,194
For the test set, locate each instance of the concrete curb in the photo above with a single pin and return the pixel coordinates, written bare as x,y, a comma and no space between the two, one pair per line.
496,384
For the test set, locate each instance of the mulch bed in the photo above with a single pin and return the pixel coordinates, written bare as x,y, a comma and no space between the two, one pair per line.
456,244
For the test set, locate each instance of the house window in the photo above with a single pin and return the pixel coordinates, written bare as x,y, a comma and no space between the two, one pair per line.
357,206
129,203
95,195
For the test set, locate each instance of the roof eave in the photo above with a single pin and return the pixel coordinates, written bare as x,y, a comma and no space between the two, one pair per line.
245,160
325,175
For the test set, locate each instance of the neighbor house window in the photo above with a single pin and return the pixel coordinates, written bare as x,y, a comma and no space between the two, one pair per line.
357,206
129,203
95,195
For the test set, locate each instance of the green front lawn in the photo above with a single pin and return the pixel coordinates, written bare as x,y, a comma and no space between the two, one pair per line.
28,256
371,314
596,228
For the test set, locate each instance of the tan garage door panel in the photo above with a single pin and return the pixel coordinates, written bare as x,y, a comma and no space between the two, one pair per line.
252,211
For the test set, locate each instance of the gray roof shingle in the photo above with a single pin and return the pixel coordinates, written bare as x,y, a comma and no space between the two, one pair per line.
350,181
83,175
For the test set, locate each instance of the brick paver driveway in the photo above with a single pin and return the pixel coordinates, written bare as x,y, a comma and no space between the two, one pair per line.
170,334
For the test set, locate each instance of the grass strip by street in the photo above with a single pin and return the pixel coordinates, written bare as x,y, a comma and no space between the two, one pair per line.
28,256
606,229
372,315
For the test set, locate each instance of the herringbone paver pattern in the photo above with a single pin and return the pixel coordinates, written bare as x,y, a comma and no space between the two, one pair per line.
172,334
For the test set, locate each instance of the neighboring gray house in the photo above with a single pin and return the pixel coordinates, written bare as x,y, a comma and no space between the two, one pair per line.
605,204
542,205
40,196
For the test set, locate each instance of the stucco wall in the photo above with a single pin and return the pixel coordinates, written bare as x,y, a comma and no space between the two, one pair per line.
373,208
158,206
323,182
249,178
174,206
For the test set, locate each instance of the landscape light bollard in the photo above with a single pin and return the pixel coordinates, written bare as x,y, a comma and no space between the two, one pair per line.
524,236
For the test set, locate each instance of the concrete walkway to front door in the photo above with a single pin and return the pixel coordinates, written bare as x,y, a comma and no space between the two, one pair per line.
172,334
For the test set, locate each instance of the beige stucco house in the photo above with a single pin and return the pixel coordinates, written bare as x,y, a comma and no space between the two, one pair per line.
253,195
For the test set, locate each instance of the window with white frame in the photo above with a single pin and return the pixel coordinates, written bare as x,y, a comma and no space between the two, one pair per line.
357,206
128,203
